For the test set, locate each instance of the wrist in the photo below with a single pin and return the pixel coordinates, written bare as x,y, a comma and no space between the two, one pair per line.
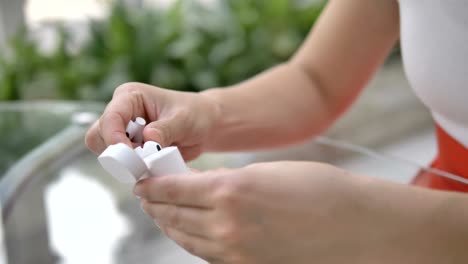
213,99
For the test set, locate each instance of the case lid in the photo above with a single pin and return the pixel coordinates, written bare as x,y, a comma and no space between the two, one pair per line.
123,163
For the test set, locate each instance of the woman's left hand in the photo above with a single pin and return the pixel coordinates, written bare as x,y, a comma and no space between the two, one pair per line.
280,212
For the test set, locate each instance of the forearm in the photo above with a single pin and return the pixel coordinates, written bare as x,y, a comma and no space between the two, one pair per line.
418,225
300,99
281,106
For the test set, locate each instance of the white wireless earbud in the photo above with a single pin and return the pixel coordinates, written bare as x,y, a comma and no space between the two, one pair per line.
148,148
130,165
135,130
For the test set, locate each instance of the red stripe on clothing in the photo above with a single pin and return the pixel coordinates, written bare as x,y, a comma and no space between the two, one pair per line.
452,157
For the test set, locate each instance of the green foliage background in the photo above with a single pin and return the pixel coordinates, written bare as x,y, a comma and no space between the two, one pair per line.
188,47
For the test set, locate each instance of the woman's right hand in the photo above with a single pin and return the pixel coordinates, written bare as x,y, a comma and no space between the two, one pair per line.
174,118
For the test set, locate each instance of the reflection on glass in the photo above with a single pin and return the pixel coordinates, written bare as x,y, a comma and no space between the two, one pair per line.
26,125
73,214
22,131
2,242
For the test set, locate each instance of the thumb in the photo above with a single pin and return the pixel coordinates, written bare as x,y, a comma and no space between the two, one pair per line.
164,131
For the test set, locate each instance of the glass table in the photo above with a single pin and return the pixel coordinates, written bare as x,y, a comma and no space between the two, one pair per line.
59,206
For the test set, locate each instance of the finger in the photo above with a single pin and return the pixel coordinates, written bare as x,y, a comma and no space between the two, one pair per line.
114,121
193,170
193,221
190,152
93,139
184,190
205,249
166,131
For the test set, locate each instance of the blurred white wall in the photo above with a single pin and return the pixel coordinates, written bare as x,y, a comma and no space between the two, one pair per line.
11,17
37,11
169,2
2,33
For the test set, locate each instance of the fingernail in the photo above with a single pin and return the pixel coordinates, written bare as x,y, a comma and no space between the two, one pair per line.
137,191
159,135
142,209
157,224
164,230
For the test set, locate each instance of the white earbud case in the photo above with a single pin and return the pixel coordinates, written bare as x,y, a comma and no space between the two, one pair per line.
129,166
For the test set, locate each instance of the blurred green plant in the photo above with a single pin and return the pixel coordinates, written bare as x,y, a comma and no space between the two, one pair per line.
190,47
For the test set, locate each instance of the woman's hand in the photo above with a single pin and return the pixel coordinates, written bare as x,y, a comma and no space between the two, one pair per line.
285,212
177,118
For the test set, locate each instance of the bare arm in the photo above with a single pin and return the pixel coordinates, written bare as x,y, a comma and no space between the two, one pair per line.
286,104
304,96
420,225
320,214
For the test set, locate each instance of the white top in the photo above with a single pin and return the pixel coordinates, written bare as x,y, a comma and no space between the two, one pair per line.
434,41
